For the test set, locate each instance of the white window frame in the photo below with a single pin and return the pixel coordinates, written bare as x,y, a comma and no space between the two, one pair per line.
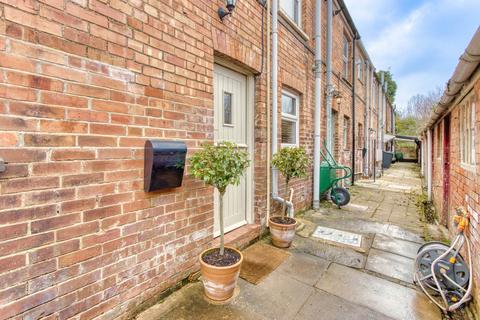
467,133
360,69
291,118
346,58
295,19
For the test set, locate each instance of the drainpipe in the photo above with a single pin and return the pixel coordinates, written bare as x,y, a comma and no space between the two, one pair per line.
384,117
382,97
379,127
393,128
370,120
329,74
275,195
382,121
318,103
268,110
366,133
422,157
354,81
429,164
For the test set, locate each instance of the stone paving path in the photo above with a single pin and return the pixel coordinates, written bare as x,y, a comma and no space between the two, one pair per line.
324,281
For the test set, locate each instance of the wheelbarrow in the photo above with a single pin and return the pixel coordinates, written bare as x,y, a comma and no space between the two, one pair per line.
330,180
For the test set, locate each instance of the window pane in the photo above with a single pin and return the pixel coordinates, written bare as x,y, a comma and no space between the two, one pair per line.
467,133
360,69
289,105
292,9
346,48
289,131
296,4
227,108
472,132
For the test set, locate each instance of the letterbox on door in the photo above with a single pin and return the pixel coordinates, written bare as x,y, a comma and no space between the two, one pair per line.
164,164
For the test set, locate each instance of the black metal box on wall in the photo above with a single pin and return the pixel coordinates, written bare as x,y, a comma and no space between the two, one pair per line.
164,164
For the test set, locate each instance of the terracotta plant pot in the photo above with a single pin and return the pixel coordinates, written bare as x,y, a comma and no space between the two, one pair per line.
282,234
220,282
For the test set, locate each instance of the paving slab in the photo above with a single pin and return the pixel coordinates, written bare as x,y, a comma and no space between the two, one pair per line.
401,233
338,237
190,303
322,305
304,268
343,255
278,297
390,265
397,246
383,296
344,222
356,207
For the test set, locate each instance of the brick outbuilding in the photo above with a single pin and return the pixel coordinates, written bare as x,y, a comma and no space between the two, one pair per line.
451,151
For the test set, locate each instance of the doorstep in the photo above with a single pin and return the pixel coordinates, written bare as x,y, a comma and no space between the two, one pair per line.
240,237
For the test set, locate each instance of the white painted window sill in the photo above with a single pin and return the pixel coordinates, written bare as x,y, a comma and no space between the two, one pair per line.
289,145
469,167
295,26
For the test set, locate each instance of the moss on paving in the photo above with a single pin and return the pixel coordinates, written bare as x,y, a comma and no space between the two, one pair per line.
425,208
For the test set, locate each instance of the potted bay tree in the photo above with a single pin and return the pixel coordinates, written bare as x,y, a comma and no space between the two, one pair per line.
291,162
220,166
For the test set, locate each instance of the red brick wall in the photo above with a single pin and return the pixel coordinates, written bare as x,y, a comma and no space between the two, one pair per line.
344,86
83,84
464,184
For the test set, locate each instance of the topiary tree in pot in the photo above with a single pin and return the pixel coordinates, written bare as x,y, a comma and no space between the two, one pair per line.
291,162
220,166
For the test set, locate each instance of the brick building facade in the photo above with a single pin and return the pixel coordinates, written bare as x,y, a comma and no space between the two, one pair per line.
83,85
451,152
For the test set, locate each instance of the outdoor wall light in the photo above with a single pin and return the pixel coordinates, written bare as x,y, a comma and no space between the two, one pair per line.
338,97
222,13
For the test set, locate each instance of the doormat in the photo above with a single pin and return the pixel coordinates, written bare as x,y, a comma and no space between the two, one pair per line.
260,260
338,236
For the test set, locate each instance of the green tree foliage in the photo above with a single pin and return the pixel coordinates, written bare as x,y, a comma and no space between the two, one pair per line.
406,125
219,166
391,84
292,163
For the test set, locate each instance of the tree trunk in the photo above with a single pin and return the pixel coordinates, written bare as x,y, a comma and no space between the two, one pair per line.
285,201
222,240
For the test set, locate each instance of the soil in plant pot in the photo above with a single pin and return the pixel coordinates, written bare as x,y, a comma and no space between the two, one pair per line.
213,257
283,220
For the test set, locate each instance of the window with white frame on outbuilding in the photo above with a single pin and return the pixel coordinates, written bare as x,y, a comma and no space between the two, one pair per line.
293,8
439,142
290,116
467,131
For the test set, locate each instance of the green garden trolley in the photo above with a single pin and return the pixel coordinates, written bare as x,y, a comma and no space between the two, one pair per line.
329,180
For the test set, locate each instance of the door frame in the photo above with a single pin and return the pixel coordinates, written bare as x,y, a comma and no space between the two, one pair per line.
250,99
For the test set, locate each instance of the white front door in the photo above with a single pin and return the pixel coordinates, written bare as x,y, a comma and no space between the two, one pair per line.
230,124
